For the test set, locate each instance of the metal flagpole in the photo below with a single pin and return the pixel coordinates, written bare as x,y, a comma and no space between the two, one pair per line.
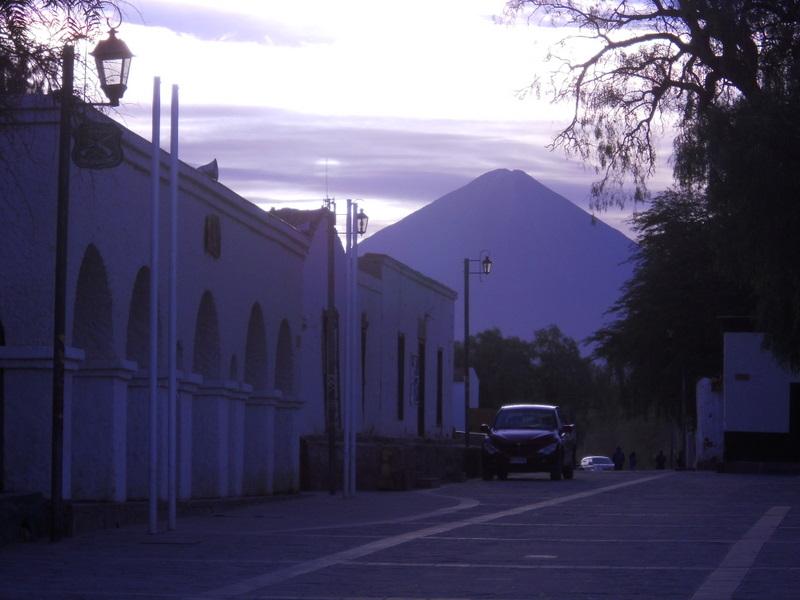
347,358
172,337
353,348
155,181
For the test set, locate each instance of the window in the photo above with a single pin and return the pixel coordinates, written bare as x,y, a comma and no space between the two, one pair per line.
364,327
401,375
439,386
212,236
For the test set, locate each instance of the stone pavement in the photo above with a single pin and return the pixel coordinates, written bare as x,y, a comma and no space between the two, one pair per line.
619,535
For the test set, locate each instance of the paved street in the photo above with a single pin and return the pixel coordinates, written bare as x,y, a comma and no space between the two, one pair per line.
603,535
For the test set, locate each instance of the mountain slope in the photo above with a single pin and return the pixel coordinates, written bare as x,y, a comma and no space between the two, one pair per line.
553,263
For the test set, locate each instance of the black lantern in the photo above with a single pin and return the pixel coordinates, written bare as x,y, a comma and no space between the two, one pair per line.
113,60
362,220
486,264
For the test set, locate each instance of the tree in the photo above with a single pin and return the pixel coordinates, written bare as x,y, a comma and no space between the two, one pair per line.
728,73
668,332
32,34
657,58
503,366
560,374
549,369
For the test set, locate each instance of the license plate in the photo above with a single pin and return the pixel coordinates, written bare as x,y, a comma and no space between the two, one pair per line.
518,460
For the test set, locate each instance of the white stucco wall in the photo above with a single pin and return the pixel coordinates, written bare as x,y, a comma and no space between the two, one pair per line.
260,265
755,386
411,304
457,398
311,418
709,437
239,425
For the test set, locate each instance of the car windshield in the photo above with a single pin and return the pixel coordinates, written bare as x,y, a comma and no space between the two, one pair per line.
525,418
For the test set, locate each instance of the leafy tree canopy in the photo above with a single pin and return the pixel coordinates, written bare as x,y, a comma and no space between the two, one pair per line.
548,369
668,331
728,73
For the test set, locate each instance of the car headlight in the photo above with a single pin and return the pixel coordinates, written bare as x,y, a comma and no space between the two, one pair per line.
549,449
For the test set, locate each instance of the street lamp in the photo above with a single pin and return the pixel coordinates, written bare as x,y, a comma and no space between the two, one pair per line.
362,219
113,61
113,67
485,268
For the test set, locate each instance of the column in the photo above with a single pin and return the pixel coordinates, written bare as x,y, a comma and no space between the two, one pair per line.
99,430
28,378
259,448
287,447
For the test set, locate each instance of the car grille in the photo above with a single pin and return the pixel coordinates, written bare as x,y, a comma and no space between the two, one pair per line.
525,448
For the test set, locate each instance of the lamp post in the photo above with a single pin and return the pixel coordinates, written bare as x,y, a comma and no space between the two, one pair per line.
485,268
356,225
112,58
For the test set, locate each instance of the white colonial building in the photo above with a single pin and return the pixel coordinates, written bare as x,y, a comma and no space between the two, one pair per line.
251,291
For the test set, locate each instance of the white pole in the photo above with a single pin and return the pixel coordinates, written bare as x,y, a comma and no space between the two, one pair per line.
347,343
171,343
354,353
153,403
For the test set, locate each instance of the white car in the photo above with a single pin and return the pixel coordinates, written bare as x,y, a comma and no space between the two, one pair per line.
596,463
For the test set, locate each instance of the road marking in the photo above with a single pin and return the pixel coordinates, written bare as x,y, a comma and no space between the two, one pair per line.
519,567
463,504
251,584
541,556
722,583
566,540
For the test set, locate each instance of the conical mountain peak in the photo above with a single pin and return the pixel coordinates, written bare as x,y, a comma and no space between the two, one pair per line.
553,263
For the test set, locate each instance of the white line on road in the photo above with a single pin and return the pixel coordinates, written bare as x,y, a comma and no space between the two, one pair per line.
722,582
251,584
519,567
463,504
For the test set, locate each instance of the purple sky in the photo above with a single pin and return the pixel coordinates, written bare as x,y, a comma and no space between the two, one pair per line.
404,102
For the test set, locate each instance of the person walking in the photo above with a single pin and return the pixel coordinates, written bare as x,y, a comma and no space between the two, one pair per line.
661,460
632,460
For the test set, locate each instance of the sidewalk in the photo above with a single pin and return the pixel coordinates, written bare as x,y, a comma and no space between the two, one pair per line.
130,563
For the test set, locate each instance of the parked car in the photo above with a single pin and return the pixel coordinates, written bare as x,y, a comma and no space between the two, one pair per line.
528,438
597,463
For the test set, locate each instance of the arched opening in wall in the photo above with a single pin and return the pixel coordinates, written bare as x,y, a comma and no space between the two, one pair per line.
137,337
284,361
255,352
233,369
206,339
92,326
2,416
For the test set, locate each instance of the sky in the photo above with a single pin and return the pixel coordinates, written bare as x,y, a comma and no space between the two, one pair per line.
390,103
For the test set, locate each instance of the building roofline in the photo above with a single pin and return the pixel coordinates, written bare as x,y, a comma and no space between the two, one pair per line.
372,258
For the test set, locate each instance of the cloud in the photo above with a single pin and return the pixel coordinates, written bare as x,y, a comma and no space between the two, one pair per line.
276,157
220,23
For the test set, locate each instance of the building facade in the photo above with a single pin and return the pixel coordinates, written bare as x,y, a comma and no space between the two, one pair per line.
252,288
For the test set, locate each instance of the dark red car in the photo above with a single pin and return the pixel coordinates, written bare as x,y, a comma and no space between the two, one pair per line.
528,438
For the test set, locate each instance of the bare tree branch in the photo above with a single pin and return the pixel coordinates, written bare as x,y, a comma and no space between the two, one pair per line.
655,57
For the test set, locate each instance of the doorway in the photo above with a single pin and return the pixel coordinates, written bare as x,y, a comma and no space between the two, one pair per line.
421,387
794,421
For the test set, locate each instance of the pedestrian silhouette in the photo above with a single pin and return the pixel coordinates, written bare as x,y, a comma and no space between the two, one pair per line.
660,460
632,461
